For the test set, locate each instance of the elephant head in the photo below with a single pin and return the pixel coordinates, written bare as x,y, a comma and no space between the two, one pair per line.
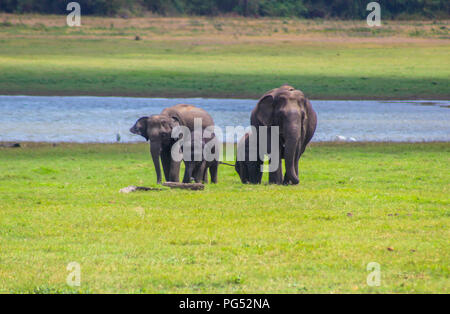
249,170
158,130
291,111
140,128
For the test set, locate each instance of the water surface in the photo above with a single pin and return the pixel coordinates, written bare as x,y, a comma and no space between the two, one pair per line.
102,119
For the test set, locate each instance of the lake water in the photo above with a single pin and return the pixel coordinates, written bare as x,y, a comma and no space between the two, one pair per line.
100,119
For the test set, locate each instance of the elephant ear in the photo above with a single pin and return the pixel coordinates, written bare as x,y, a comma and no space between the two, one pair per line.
301,99
171,123
303,103
265,110
166,127
142,125
175,116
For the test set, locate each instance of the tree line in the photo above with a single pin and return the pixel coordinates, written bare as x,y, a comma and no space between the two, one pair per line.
343,9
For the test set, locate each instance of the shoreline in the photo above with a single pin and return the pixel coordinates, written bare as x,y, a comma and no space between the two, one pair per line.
27,144
241,96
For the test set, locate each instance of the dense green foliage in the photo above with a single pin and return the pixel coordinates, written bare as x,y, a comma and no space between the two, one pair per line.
349,9
61,204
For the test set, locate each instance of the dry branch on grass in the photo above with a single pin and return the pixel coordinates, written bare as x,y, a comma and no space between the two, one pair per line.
186,186
10,145
133,188
172,185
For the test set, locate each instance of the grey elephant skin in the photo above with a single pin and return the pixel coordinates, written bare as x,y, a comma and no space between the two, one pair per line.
198,167
289,109
249,171
158,130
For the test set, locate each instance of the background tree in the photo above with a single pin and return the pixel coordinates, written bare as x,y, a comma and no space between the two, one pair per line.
342,9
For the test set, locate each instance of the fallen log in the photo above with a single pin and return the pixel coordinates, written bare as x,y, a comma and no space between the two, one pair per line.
186,186
172,185
133,188
10,145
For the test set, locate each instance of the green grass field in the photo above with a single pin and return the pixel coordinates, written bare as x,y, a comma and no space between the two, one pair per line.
236,58
61,204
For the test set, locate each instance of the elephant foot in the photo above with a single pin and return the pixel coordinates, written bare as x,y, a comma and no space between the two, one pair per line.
276,179
291,181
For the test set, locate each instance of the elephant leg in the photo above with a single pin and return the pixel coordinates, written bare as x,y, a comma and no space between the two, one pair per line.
166,161
298,154
204,172
241,168
174,175
201,173
196,173
155,151
276,177
205,176
260,174
253,171
213,170
188,169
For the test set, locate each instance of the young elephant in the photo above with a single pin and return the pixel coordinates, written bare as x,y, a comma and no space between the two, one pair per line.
197,167
248,168
158,130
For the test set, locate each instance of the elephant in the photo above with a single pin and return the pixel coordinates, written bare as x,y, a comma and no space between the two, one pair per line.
249,171
198,167
289,109
158,130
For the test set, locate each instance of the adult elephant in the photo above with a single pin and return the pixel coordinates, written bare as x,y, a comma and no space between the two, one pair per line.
158,130
289,109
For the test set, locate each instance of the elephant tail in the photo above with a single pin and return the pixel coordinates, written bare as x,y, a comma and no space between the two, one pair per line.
224,163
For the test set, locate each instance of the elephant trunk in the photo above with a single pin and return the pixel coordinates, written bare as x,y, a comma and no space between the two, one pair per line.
155,150
290,152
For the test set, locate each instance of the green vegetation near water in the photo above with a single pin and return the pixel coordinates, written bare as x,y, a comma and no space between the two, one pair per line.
356,204
224,58
126,67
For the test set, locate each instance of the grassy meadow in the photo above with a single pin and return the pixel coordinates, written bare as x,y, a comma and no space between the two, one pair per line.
223,57
357,203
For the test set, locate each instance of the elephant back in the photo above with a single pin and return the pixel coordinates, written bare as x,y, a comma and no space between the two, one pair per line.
185,115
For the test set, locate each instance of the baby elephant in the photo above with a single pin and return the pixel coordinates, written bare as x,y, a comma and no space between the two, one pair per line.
197,167
248,168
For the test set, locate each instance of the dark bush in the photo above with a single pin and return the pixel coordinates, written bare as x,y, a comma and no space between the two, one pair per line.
344,9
